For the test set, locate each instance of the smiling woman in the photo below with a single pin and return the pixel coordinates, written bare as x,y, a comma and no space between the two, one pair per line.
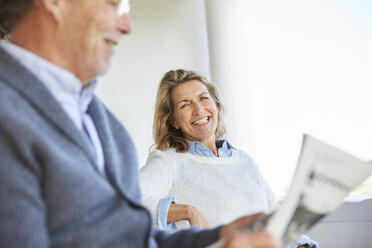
195,113
190,100
212,181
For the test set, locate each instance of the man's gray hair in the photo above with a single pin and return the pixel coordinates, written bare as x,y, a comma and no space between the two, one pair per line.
4,35
11,11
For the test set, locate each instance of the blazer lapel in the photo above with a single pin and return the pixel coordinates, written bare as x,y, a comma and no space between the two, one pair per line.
97,114
23,81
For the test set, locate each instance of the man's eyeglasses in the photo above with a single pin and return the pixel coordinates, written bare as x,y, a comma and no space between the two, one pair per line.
123,7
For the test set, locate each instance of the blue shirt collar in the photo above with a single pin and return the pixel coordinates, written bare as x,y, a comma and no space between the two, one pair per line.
62,84
224,149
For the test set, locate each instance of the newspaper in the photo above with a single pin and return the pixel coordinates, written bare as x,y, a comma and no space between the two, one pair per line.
324,176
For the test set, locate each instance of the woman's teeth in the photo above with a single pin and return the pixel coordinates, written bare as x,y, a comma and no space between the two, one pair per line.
201,121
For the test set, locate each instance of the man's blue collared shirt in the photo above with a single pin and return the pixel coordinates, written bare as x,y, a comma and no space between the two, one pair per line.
67,89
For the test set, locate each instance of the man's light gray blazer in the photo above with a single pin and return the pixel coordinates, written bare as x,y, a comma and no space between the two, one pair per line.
51,194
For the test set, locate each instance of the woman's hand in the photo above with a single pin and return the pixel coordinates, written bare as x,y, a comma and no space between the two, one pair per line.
178,212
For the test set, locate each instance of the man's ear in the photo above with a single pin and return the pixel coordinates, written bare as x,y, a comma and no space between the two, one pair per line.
53,7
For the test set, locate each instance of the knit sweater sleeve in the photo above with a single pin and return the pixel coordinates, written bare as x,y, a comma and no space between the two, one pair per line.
155,181
272,202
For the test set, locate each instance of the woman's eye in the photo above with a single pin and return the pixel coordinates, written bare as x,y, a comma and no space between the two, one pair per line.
204,98
184,106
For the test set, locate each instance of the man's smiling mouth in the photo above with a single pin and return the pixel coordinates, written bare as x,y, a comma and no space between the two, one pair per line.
110,42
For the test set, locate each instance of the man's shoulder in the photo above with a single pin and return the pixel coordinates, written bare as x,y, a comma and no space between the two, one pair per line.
7,62
13,75
10,98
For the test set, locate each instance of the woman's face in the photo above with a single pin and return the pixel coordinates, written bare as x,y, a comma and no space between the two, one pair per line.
195,112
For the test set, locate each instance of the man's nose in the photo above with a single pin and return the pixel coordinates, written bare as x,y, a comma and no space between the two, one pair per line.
123,24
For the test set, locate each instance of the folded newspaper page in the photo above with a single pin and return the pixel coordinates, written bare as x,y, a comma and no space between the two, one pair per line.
324,176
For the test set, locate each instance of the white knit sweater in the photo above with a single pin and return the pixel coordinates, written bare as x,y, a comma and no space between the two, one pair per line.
222,189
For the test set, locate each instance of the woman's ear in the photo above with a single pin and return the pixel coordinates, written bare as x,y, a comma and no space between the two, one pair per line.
218,107
175,124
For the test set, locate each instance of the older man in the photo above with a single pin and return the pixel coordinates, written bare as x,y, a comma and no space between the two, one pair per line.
68,168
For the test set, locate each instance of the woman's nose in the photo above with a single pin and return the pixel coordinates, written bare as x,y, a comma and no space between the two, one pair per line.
198,108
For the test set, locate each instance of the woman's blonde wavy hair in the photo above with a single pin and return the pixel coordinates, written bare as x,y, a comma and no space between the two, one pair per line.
165,135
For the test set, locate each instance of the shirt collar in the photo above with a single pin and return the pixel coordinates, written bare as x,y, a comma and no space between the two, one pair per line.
86,94
62,84
224,149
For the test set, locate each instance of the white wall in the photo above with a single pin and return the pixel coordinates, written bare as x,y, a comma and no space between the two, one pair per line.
309,70
227,22
289,67
166,35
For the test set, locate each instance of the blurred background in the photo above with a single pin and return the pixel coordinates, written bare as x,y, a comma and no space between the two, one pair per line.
283,68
